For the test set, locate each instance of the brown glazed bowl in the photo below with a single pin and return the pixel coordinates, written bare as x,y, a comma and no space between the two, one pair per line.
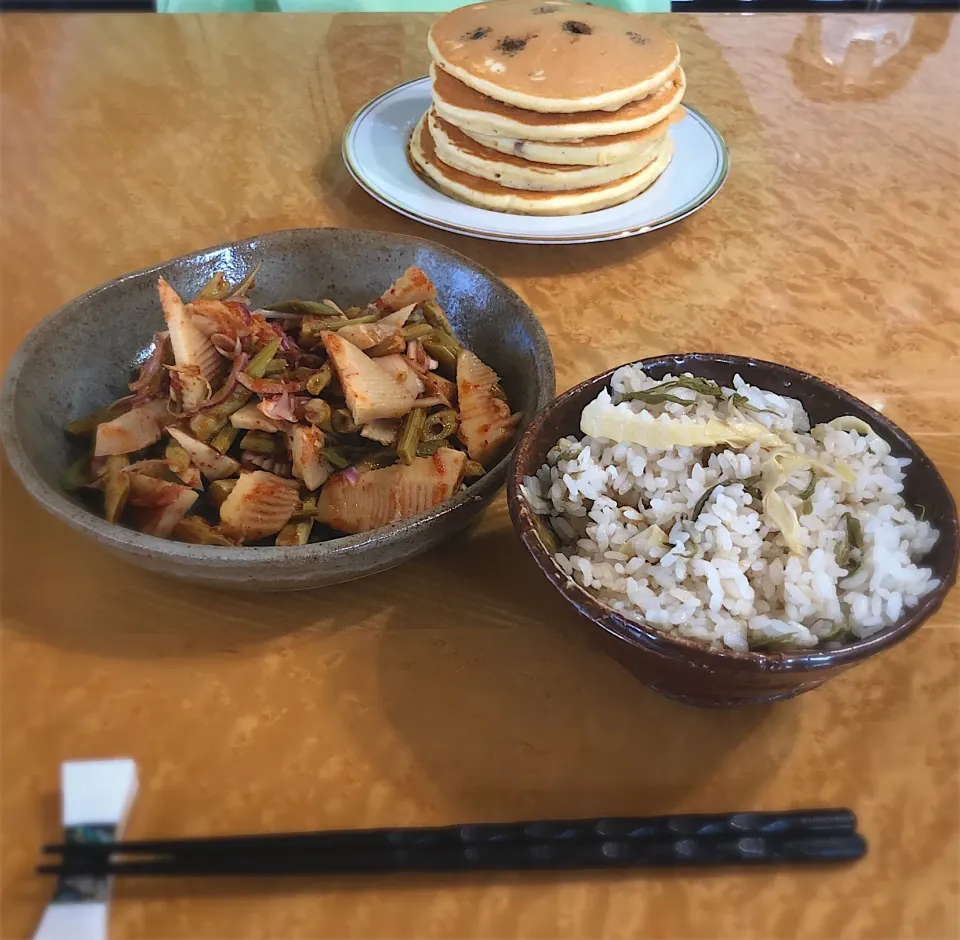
78,359
681,668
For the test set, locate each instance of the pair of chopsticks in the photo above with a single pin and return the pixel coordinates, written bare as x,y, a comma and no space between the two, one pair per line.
816,835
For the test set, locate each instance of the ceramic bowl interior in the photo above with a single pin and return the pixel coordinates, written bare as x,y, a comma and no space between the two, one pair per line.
79,359
925,491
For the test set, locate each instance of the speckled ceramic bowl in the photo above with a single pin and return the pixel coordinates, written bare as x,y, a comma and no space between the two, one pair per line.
686,670
77,359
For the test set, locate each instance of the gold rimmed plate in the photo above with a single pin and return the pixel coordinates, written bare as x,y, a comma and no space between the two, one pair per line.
375,152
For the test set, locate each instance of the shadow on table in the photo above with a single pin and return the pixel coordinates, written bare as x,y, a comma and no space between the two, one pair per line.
527,718
62,589
510,719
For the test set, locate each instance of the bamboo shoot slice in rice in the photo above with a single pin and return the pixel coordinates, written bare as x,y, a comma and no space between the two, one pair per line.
360,502
602,419
853,423
486,425
370,391
260,504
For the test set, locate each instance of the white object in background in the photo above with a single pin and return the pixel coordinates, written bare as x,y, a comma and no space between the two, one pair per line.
96,798
375,151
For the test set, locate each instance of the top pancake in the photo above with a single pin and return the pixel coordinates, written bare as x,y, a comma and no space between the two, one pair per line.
553,56
475,113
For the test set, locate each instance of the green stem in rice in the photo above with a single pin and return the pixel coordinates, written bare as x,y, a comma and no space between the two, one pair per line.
744,404
751,486
654,396
850,551
806,506
771,644
702,501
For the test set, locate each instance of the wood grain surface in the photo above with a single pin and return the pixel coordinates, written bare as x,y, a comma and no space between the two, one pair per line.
459,687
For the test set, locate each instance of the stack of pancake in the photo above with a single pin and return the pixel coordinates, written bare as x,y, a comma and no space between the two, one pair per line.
547,107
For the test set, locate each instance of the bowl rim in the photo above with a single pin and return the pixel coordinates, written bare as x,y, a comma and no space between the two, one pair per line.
640,635
115,536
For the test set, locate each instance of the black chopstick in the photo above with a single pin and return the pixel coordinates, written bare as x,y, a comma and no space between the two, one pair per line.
627,828
519,844
539,856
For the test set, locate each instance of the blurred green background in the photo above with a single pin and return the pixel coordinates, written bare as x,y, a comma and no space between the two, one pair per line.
364,6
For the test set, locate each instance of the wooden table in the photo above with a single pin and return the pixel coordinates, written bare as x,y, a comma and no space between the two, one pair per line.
833,247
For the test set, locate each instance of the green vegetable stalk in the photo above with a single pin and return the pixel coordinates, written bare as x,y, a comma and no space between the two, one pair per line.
410,435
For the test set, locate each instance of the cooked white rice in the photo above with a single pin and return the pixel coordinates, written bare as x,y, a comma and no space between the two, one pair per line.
728,578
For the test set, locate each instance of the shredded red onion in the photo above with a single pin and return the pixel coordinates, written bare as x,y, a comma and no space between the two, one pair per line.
130,402
231,348
151,375
351,475
281,408
230,383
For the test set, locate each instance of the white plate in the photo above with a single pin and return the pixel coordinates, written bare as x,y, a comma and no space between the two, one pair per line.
375,152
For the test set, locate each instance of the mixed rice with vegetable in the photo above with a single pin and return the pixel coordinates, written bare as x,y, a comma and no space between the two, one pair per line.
293,423
719,514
